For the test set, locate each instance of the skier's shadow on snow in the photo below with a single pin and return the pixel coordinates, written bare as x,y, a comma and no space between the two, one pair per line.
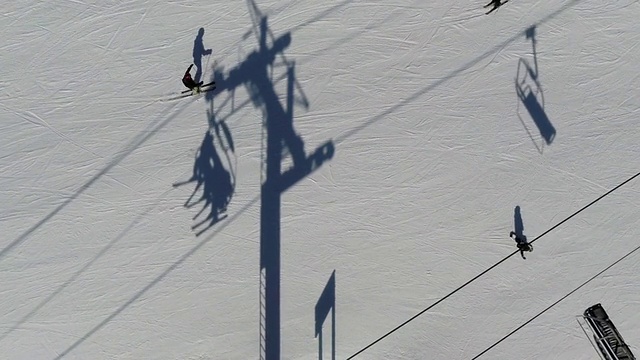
214,183
531,97
198,53
518,226
518,233
284,162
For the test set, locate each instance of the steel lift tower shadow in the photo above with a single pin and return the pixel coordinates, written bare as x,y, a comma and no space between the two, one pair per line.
279,140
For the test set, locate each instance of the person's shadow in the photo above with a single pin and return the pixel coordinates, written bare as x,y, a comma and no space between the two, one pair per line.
518,233
517,224
198,53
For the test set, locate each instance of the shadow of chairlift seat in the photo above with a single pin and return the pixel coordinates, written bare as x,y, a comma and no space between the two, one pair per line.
529,99
533,100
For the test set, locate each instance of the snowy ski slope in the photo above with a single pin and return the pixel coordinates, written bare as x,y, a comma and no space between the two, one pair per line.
380,152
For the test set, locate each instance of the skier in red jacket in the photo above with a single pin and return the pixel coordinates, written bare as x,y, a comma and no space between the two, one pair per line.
188,81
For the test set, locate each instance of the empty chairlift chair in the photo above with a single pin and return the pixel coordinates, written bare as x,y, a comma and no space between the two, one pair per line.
608,340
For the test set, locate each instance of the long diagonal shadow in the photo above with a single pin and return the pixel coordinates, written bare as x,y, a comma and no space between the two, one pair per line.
345,136
84,268
131,147
154,282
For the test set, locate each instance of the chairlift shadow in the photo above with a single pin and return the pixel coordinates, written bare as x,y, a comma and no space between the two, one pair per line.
214,180
531,97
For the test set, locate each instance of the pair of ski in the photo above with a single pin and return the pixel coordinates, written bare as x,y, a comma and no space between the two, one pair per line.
195,91
496,4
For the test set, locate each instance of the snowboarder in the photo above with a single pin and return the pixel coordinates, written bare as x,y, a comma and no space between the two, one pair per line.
496,5
188,81
521,243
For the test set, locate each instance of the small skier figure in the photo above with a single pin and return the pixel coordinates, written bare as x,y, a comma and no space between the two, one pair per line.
496,5
521,243
188,81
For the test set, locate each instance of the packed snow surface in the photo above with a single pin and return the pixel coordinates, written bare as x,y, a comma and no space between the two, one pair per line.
358,163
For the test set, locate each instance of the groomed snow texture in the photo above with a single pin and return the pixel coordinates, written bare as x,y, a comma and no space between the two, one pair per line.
379,151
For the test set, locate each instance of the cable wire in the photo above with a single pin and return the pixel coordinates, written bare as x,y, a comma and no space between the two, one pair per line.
557,302
492,267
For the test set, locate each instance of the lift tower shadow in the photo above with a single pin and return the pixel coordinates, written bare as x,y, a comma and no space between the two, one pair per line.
279,141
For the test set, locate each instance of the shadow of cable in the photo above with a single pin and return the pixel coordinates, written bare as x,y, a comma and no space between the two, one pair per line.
136,142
